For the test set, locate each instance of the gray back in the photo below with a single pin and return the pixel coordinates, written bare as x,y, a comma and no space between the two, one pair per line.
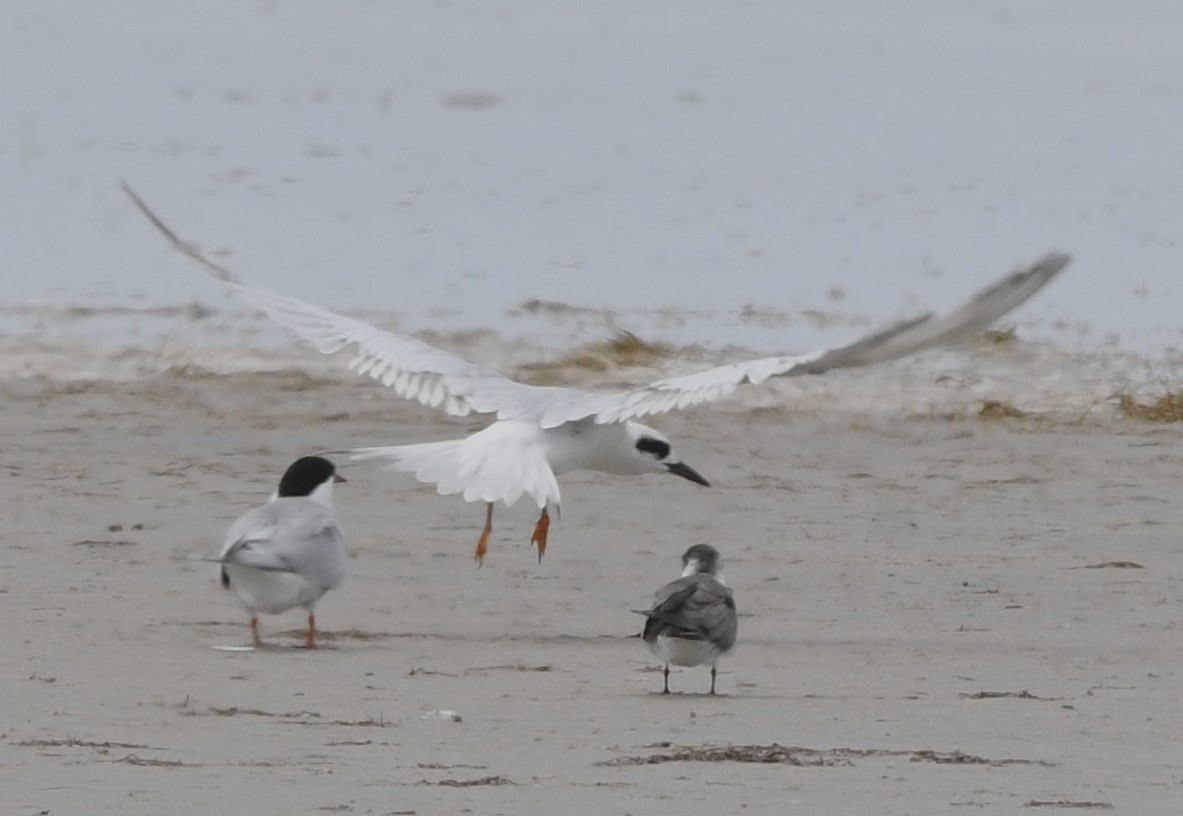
696,607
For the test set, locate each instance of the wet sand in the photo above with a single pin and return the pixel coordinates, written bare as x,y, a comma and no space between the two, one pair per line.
938,616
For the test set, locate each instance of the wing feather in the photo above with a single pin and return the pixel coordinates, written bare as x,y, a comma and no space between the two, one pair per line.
411,368
899,340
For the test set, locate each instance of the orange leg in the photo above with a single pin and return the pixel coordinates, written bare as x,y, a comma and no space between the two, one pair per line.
482,543
310,641
540,530
255,639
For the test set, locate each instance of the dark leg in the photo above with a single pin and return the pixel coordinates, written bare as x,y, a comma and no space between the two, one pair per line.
255,639
482,543
712,679
666,690
540,530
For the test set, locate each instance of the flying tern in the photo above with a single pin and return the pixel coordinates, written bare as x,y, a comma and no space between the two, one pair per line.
693,620
539,432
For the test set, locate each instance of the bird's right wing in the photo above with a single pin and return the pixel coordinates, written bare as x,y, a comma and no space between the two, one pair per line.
409,367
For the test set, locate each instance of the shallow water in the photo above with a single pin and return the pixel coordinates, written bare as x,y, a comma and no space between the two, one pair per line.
764,177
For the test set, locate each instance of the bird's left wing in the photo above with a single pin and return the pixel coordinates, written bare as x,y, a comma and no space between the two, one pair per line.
899,340
257,555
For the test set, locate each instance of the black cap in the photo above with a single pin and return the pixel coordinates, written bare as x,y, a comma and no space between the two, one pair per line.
305,475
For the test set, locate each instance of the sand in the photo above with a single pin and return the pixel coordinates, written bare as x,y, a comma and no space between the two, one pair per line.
939,615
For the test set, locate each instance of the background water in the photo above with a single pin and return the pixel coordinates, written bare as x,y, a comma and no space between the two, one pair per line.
760,174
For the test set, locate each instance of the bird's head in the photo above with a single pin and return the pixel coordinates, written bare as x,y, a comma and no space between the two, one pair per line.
653,451
702,558
311,476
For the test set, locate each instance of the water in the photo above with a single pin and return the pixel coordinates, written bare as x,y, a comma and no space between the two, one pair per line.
764,175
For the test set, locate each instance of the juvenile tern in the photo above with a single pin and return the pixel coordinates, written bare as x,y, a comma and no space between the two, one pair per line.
540,432
290,551
693,620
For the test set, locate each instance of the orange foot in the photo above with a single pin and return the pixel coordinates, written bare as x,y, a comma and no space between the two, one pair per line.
482,543
310,640
540,530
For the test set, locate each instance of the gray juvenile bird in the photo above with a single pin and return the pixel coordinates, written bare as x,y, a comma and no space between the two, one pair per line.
692,621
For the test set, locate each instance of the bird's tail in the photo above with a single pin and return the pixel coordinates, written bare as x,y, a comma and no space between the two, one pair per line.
436,463
470,467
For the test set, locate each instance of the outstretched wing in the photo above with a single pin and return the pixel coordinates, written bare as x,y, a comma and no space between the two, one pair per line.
900,340
411,368
434,377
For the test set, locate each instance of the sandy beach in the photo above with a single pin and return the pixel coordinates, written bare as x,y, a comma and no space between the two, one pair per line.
939,615
941,612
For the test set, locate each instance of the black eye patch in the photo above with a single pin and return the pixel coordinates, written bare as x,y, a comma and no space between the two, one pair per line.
659,449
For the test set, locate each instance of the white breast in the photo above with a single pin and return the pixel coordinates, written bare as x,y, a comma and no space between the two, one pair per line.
684,652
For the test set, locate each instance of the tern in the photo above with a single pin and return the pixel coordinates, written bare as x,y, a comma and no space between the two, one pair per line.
540,432
290,551
693,619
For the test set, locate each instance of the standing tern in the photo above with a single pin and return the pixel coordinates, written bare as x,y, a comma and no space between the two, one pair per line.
542,431
693,620
290,551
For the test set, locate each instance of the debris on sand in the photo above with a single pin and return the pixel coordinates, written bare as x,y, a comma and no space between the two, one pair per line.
1167,408
622,350
809,757
471,783
995,695
996,409
1068,803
